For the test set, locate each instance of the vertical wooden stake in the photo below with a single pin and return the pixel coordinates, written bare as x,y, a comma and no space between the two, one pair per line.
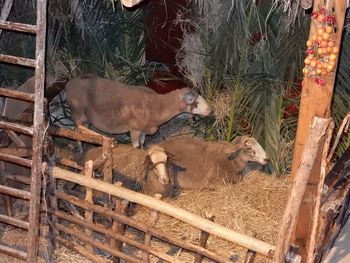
312,241
120,208
53,220
108,164
38,134
315,101
317,131
89,216
148,236
203,240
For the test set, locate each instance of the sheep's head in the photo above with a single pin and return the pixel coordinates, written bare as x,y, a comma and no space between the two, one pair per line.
195,103
156,160
249,150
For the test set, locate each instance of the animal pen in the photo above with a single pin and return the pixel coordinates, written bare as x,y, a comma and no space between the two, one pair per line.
88,227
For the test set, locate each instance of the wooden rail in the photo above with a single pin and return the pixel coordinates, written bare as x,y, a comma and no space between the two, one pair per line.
19,27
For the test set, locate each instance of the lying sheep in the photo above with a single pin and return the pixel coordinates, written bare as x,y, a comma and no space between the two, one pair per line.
136,167
116,108
198,164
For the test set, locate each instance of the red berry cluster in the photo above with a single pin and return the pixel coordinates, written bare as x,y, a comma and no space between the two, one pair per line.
321,53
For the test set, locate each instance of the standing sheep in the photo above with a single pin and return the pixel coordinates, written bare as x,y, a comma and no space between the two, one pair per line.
136,167
116,108
198,164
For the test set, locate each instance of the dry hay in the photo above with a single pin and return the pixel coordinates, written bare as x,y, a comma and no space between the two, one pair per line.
253,207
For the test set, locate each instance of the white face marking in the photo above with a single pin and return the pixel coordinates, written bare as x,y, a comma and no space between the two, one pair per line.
202,107
259,155
159,160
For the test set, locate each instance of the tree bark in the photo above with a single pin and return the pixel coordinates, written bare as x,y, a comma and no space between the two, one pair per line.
315,101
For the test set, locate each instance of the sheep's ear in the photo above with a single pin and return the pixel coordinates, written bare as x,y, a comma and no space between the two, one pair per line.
190,96
232,149
247,143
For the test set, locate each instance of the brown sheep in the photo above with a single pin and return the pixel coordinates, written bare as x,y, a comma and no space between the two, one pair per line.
116,108
198,164
136,167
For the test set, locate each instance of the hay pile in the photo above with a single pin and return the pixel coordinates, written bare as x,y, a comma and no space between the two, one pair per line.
253,207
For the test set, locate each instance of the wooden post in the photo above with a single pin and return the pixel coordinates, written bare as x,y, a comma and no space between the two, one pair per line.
148,236
312,241
203,240
108,164
38,134
89,216
312,146
52,201
315,101
120,208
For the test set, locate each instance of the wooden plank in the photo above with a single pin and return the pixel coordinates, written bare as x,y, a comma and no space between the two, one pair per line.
312,146
19,27
27,62
38,134
15,94
163,207
14,192
14,222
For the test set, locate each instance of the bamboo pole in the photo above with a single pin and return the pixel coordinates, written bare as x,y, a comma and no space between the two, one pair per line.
312,240
148,236
163,207
89,216
317,131
140,226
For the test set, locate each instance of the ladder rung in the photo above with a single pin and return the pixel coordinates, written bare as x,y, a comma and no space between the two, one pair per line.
19,27
14,192
17,178
6,125
17,151
15,159
13,252
14,222
15,94
18,60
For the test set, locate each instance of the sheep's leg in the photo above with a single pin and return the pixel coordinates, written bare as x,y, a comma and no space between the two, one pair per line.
142,139
135,138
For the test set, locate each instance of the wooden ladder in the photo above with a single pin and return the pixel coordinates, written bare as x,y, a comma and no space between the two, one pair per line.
37,131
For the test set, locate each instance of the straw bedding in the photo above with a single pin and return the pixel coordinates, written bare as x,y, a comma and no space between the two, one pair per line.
253,207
